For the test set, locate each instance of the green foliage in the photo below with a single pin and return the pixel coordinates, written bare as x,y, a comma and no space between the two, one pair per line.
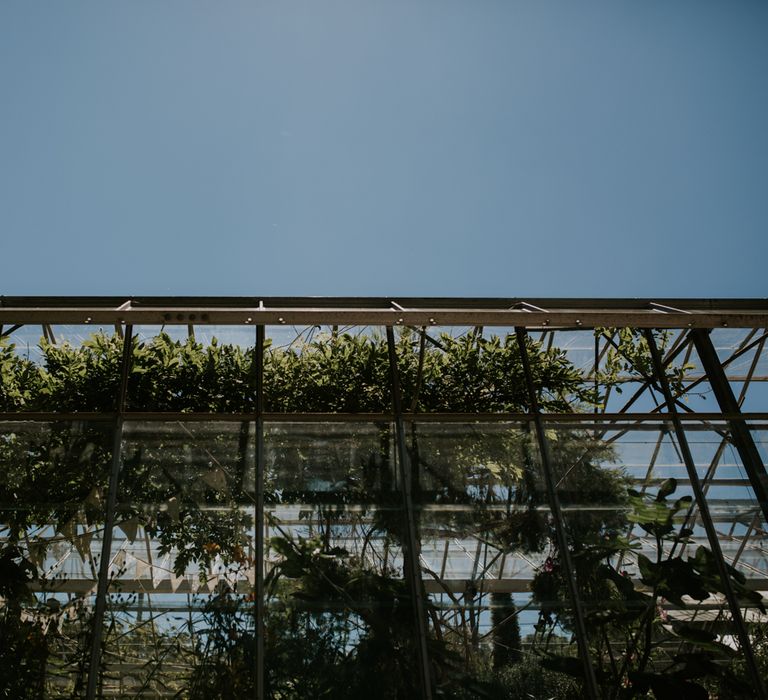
331,373
630,356
374,608
633,636
339,625
20,379
226,651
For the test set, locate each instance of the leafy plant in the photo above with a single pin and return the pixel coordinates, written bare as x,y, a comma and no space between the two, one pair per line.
643,635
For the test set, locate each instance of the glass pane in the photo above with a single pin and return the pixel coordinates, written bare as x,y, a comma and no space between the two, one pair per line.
741,351
645,569
180,606
53,484
340,613
486,534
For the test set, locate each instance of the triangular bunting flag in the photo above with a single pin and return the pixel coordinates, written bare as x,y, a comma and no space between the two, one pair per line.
68,530
142,568
216,479
83,544
130,527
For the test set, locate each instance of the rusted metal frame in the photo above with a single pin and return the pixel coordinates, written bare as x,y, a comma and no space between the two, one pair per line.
109,520
670,357
749,378
709,476
741,435
48,333
736,355
747,338
709,527
425,337
412,560
259,524
651,382
744,348
638,420
691,514
582,318
419,370
753,526
682,305
582,638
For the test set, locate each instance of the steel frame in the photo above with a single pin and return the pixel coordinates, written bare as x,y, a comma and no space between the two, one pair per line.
693,318
383,311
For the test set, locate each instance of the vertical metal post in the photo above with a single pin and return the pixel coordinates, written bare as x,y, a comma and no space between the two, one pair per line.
740,433
109,521
557,513
258,556
411,566
709,526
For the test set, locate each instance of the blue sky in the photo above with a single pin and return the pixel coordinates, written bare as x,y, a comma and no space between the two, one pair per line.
389,147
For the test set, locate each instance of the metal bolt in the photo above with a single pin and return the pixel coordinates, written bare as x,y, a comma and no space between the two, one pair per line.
399,320
281,320
248,320
432,321
88,320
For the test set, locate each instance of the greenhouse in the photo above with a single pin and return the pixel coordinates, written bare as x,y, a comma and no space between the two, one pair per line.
388,498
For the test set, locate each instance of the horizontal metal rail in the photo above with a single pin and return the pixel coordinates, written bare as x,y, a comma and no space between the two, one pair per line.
651,420
243,587
530,313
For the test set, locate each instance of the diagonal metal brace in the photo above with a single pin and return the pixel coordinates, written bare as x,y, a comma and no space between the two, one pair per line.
740,432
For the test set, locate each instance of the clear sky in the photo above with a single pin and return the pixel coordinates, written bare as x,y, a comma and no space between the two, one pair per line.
384,147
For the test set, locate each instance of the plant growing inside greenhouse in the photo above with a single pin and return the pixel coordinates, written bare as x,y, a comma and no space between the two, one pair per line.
639,643
339,610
